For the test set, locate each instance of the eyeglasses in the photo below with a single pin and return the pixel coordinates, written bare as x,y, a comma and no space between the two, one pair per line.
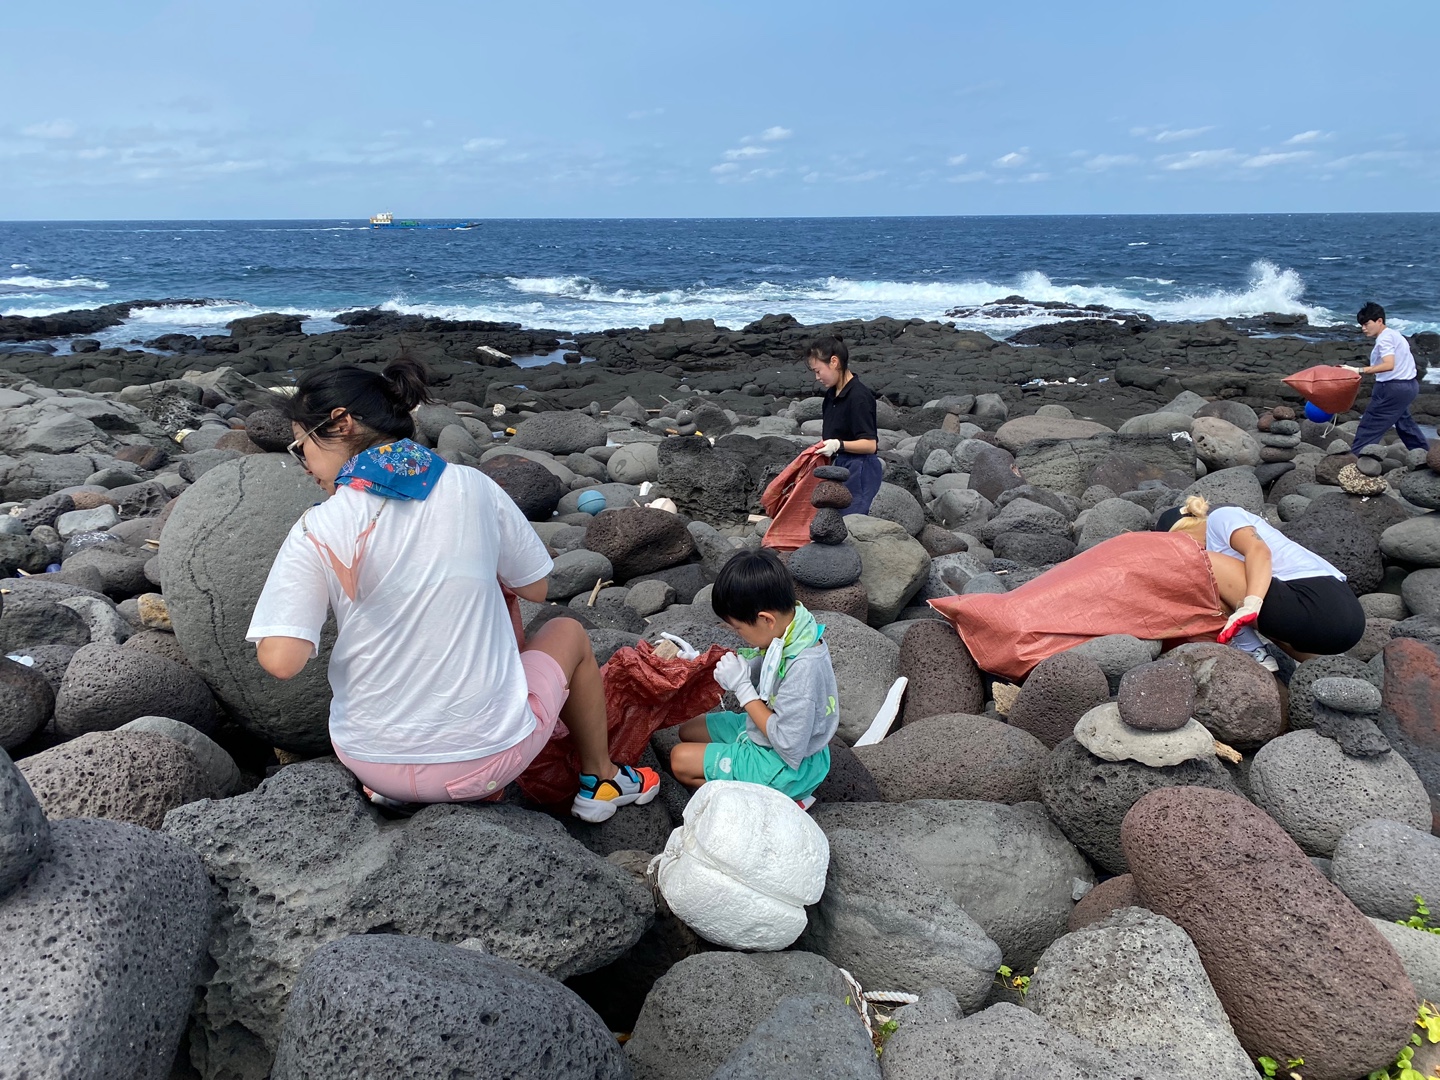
297,448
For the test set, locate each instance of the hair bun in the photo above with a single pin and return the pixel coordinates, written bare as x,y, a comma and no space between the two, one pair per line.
407,382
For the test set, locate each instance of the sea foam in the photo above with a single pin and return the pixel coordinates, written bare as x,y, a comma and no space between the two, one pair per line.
45,284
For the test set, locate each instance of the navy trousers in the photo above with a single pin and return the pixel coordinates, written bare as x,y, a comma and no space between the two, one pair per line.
1390,407
866,474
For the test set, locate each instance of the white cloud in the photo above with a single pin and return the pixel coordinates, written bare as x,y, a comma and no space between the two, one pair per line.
1177,134
643,114
1101,162
1306,137
721,170
775,134
1264,161
1368,156
476,145
811,177
1198,159
740,153
1012,159
957,159
861,178
967,178
1034,177
50,129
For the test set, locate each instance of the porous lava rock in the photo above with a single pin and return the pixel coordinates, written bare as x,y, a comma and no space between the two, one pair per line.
1236,699
24,832
956,756
639,540
109,685
942,673
26,703
531,486
1382,865
1411,716
1159,696
1057,692
559,433
1109,896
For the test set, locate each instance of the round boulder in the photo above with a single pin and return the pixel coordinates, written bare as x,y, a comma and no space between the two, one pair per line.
1300,972
1382,865
1058,691
634,463
639,540
957,757
1307,674
1109,896
109,685
215,554
1317,793
24,830
826,566
942,674
531,486
560,433
1158,696
26,703
382,1004
1236,699
132,776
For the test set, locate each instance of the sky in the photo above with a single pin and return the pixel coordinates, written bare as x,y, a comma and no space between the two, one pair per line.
440,108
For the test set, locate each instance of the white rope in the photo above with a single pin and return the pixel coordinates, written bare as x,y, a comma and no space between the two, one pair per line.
891,997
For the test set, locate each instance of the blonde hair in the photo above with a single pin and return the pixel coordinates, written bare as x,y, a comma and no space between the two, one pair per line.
1195,507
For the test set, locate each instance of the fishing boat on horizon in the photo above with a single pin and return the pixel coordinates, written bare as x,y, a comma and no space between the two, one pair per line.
387,220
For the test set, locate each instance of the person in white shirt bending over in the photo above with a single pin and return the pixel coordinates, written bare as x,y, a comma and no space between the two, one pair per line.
1396,385
434,701
1270,583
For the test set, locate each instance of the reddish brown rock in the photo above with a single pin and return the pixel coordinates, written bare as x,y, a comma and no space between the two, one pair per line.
1300,971
1158,696
1111,895
89,500
1061,689
852,600
957,757
638,539
148,458
239,442
1411,716
943,676
1327,469
829,494
1236,698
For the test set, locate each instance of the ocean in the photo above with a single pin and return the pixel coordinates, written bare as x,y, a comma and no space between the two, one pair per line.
587,275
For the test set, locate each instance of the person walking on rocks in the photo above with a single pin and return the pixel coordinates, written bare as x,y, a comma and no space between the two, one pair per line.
786,688
1270,583
848,423
434,701
1396,385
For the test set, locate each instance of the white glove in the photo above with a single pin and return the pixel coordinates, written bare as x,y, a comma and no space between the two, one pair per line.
1355,367
733,674
830,447
1245,615
687,651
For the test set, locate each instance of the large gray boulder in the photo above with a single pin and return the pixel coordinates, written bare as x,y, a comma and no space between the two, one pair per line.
957,756
1005,1042
894,565
106,686
392,1005
304,860
1317,792
559,433
215,554
24,832
703,1009
806,1036
103,944
1133,983
1419,951
1382,865
866,662
221,774
26,703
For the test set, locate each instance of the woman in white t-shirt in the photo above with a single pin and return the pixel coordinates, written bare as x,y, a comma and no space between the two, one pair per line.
434,701
1270,583
1396,384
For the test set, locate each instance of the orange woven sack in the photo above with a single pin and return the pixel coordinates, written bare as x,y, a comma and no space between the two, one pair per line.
1154,586
786,502
643,693
1330,388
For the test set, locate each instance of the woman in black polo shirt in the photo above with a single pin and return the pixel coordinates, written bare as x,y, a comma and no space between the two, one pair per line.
848,425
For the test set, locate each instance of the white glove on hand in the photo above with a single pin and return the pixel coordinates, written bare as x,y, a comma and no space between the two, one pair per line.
1245,615
830,447
1360,368
687,651
733,674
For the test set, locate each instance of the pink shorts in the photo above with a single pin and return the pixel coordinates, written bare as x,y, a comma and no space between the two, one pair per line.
478,778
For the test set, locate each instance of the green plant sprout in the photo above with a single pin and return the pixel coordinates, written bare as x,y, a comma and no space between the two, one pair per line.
1271,1068
1421,919
1008,979
1428,1020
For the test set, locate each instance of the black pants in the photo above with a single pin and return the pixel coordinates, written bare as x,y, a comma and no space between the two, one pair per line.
1313,615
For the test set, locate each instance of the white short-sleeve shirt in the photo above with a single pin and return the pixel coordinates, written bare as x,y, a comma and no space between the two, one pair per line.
1393,342
1288,560
425,666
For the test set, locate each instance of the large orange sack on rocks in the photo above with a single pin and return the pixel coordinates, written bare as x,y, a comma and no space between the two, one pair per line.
786,502
1330,388
643,693
1154,586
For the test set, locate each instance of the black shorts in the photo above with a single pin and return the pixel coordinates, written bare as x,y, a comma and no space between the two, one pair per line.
1313,615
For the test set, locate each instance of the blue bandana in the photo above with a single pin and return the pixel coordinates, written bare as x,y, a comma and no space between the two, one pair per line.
399,470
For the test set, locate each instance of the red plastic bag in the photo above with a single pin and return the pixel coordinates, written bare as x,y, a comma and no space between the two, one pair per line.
643,693
1330,388
1154,586
786,502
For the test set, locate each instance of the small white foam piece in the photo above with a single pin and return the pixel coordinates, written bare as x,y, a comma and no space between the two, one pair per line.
28,661
889,710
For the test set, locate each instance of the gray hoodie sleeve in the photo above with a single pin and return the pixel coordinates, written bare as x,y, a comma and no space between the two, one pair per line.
806,711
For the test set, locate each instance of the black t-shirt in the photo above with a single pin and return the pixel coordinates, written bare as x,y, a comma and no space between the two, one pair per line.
849,414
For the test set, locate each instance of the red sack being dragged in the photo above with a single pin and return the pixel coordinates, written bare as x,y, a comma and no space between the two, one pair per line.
643,693
1330,388
786,502
1154,586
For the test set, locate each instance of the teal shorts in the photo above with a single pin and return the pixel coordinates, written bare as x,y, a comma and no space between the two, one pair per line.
732,756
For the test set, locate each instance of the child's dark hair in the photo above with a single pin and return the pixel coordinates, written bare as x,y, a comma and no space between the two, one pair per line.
752,582
380,403
824,348
1370,311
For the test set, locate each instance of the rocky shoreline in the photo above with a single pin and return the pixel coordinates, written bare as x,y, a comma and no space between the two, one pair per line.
190,887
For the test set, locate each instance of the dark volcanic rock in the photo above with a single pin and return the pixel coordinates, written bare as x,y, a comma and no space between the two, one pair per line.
531,486
956,757
707,482
639,540
26,703
1411,716
1159,696
943,675
1060,690
109,685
